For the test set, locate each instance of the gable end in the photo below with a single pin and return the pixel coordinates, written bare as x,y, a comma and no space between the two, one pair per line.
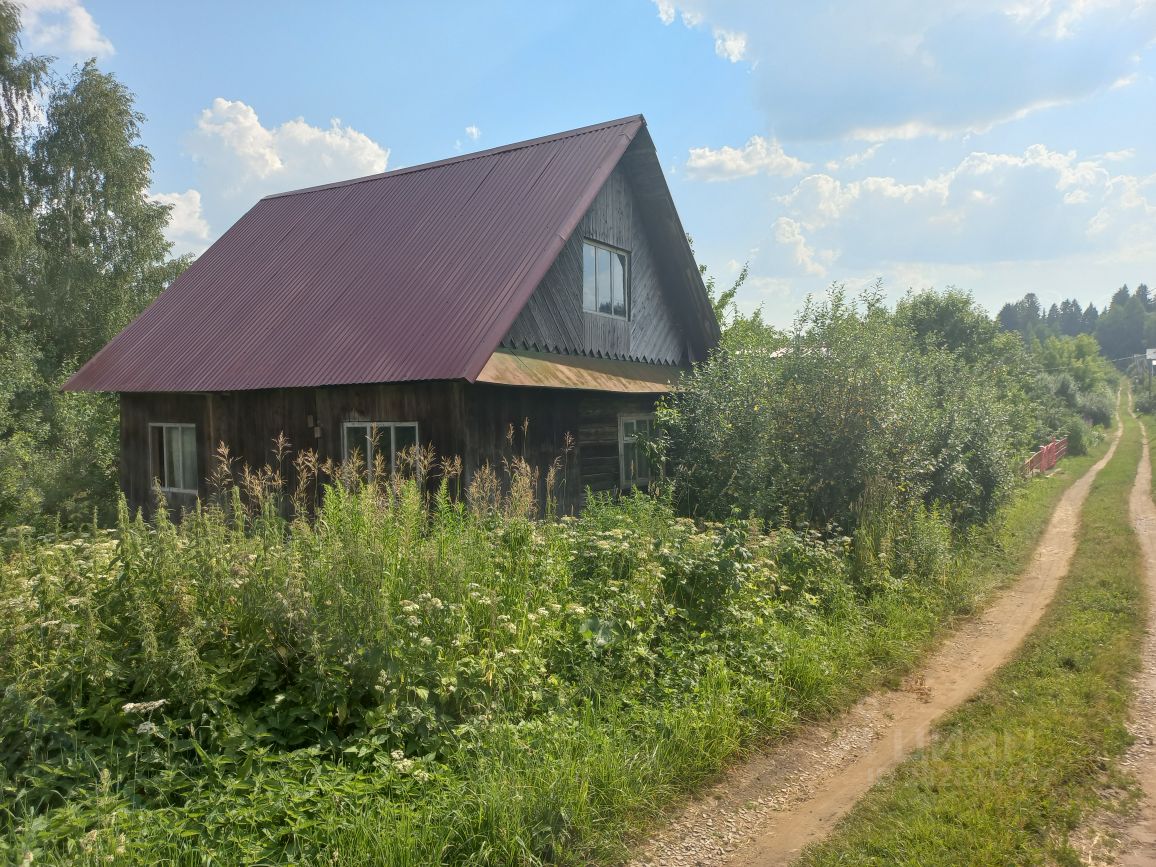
554,320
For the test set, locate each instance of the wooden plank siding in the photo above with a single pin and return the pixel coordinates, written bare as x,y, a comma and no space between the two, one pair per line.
455,418
553,319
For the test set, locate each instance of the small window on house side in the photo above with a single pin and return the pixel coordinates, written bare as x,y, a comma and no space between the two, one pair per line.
634,463
605,280
370,439
173,454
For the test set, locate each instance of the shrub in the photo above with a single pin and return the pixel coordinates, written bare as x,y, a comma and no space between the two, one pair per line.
791,429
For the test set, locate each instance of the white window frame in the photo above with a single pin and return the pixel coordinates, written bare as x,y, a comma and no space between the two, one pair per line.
163,426
598,245
623,481
369,457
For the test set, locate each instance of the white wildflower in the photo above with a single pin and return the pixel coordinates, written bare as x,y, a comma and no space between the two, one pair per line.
144,706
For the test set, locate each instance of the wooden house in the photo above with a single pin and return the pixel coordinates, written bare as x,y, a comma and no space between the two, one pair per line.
547,281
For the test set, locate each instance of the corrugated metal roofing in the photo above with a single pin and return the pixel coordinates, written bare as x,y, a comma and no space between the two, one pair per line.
408,275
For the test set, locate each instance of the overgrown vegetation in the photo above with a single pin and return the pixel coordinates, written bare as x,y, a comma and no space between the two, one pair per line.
81,253
862,416
407,678
1009,775
1075,388
408,682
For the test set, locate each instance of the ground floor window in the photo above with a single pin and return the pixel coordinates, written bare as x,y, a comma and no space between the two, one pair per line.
369,440
173,455
634,463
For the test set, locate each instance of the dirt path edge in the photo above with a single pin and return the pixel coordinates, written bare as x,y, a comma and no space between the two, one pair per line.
1137,840
766,810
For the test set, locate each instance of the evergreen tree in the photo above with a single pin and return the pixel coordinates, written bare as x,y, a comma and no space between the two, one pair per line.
1009,318
1071,320
1091,317
1120,330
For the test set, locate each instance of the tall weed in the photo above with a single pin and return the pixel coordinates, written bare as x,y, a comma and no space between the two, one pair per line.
410,676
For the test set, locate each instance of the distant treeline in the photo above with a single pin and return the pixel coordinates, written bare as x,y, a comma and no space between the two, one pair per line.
1127,327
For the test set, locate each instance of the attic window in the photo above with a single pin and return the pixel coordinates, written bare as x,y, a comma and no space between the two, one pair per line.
605,280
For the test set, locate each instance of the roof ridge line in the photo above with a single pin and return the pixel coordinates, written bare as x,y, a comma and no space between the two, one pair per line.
537,269
461,158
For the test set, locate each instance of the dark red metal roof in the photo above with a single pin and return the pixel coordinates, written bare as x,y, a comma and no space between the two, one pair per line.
412,274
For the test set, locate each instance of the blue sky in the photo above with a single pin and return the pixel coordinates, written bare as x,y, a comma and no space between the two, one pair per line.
1001,147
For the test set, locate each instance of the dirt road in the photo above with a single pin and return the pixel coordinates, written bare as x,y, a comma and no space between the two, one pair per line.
766,810
1138,840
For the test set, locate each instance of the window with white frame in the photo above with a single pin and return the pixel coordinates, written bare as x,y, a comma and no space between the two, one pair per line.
173,454
605,279
633,430
369,440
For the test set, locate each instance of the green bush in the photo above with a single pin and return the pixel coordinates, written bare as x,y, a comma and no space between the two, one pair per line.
1080,437
1145,401
927,404
259,688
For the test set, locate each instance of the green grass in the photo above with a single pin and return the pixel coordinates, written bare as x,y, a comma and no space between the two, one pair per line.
306,723
1001,555
1010,775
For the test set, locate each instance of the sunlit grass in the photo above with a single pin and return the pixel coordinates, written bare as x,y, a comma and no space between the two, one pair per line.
1010,775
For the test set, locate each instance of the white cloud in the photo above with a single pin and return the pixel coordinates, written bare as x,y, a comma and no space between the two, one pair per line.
240,159
990,207
473,132
245,159
855,159
188,230
666,11
789,233
730,45
757,155
906,69
65,27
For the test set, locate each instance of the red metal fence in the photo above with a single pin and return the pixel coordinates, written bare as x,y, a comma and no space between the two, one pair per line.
1046,457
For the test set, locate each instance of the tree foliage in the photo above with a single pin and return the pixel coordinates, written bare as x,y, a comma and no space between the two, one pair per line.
82,251
1124,328
858,410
